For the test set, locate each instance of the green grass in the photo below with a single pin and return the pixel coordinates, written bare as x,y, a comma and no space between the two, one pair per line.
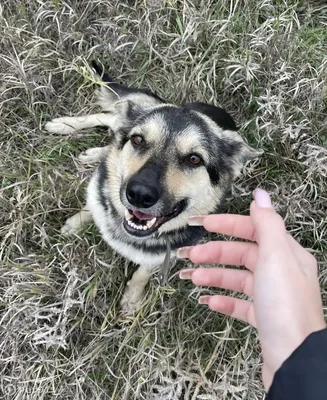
61,333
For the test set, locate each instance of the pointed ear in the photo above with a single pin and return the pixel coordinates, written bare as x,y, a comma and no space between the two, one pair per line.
123,115
217,114
242,152
130,110
236,151
124,106
248,153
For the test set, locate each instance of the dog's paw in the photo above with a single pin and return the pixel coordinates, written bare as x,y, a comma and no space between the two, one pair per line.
61,126
132,299
91,156
72,225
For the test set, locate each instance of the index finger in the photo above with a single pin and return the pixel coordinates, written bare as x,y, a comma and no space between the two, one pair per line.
239,226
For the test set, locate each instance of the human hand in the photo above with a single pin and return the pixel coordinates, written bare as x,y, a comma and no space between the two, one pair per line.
281,278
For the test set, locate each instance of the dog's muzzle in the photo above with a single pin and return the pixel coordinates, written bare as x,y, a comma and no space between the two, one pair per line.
148,207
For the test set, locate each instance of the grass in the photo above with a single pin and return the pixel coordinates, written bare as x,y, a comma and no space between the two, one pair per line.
61,334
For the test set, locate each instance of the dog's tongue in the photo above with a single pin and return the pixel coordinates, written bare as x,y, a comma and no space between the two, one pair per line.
141,216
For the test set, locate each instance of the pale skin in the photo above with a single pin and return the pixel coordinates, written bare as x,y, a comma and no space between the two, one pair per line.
280,277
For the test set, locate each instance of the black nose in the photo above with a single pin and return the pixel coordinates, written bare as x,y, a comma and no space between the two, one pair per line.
141,195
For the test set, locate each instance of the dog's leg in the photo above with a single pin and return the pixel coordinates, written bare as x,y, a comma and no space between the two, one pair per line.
134,292
93,155
74,223
68,125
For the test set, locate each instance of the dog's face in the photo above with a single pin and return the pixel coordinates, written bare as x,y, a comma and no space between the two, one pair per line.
170,163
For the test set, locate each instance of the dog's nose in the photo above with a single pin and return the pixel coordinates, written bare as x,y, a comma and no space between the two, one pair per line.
140,195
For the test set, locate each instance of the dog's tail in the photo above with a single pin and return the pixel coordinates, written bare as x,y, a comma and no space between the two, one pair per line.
119,89
116,88
100,71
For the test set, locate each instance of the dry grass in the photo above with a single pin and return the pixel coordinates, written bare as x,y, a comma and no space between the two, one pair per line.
61,335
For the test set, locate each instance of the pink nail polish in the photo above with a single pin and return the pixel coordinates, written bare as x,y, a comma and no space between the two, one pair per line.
183,252
204,299
196,220
262,199
186,273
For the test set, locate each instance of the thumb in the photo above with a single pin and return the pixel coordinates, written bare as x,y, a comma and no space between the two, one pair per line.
269,227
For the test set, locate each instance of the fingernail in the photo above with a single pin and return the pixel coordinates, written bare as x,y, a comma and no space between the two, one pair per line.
204,299
262,198
183,252
196,220
186,273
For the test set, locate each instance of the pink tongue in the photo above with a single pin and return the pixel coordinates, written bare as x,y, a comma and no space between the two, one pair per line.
142,216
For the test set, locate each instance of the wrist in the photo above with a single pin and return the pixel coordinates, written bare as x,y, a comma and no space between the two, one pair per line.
275,356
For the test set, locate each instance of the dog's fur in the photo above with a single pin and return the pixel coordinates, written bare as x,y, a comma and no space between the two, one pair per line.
161,163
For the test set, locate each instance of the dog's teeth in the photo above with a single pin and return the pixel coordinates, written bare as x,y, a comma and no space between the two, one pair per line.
130,223
140,227
149,224
128,216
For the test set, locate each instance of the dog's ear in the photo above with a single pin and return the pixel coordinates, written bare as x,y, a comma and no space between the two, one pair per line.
235,151
129,111
217,114
230,138
123,104
122,116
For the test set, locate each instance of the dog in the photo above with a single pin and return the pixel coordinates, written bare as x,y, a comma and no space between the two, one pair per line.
163,163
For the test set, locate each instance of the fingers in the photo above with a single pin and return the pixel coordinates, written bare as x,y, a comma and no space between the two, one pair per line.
227,224
270,231
263,223
230,279
237,308
271,234
230,253
275,252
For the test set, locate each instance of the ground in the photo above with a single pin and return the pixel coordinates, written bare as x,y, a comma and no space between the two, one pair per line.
61,334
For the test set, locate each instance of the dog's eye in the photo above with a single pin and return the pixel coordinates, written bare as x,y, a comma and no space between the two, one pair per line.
137,140
194,160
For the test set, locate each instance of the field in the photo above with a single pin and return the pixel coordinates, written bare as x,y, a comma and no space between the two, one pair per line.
61,335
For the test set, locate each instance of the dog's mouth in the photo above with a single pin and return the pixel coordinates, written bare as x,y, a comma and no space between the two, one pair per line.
140,224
